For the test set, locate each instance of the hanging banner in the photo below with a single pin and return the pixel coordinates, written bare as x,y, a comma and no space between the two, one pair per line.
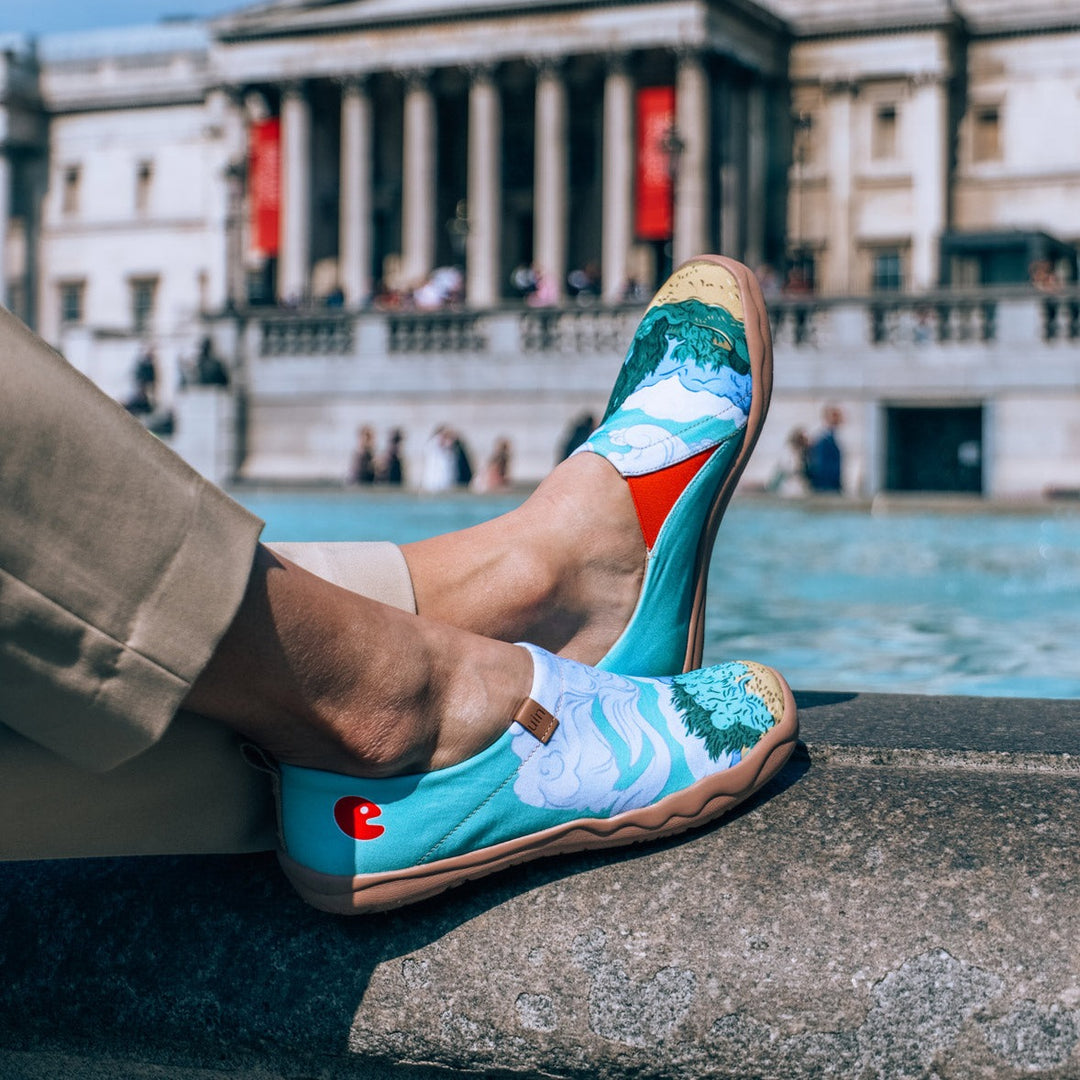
654,184
264,185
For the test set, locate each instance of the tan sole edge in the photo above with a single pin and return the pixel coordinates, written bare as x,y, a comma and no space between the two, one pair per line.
705,801
759,346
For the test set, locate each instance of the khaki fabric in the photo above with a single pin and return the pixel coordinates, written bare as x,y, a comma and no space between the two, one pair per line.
120,570
120,567
192,792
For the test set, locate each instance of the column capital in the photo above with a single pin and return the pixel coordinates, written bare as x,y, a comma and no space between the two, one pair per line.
482,71
690,54
293,89
616,63
352,82
547,66
417,78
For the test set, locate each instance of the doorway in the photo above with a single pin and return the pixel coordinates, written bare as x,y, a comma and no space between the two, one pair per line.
934,448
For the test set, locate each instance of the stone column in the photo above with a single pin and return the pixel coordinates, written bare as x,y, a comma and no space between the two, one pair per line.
418,172
733,178
757,165
294,262
927,121
236,152
5,217
692,181
839,257
484,196
355,216
618,181
551,181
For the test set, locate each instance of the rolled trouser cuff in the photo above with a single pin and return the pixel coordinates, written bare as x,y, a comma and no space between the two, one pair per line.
120,567
373,568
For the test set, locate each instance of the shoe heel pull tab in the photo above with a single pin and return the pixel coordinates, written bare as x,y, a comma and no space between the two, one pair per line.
536,720
259,759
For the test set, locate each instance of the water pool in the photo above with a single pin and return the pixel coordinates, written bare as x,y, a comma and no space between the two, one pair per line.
837,599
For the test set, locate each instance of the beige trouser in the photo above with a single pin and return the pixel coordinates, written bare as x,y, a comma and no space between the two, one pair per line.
120,569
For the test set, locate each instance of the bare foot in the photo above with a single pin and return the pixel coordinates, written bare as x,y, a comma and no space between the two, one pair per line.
562,571
322,677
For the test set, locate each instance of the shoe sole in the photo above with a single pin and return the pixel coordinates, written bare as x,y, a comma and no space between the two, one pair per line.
759,346
703,802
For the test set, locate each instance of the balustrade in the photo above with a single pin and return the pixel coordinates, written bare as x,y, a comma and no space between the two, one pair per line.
436,332
307,335
934,320
578,330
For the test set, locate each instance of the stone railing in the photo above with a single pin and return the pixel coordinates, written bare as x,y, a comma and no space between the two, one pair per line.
289,333
933,319
899,903
436,332
578,329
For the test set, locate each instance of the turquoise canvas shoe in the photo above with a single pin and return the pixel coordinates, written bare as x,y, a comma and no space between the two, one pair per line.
591,760
682,420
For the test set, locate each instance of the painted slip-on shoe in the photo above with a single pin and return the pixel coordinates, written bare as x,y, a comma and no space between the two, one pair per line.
591,760
683,418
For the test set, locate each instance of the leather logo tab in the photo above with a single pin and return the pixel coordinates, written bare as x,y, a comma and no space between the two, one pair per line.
536,720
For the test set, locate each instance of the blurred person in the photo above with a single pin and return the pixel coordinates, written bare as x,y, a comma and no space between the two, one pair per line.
580,429
495,475
391,469
145,377
362,466
439,462
791,478
463,470
825,458
209,370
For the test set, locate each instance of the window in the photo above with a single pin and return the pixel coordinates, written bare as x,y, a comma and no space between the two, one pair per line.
888,271
16,299
144,182
143,294
71,302
986,133
803,148
883,144
70,184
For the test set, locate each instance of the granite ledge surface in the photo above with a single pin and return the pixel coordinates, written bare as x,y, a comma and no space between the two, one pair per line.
902,901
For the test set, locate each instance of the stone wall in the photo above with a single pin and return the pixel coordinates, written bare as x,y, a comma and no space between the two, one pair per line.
899,903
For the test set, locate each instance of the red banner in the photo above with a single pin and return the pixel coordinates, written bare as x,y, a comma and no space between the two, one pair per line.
655,124
264,184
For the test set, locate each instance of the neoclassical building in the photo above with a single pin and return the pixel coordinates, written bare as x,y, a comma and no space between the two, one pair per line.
317,148
314,154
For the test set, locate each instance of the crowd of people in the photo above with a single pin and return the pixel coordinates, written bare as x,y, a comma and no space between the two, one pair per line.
811,464
446,463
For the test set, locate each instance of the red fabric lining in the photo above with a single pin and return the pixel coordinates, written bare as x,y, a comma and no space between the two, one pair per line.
655,493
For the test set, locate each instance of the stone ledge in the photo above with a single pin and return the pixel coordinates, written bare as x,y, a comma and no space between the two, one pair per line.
902,901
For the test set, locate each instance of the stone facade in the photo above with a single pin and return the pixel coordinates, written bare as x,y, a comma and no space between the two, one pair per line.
872,148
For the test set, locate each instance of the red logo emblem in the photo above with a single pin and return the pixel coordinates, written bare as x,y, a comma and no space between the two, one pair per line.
353,816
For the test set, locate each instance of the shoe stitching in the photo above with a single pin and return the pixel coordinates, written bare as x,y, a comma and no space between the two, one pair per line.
672,440
476,810
480,806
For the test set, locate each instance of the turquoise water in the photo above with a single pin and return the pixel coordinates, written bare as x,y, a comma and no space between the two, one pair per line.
985,604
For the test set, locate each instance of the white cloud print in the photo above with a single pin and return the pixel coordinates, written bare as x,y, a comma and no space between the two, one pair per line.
643,448
671,400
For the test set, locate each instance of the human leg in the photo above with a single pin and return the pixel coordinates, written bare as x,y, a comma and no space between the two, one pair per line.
607,561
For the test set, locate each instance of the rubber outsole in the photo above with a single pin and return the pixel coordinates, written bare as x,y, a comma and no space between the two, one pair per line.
697,805
759,347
